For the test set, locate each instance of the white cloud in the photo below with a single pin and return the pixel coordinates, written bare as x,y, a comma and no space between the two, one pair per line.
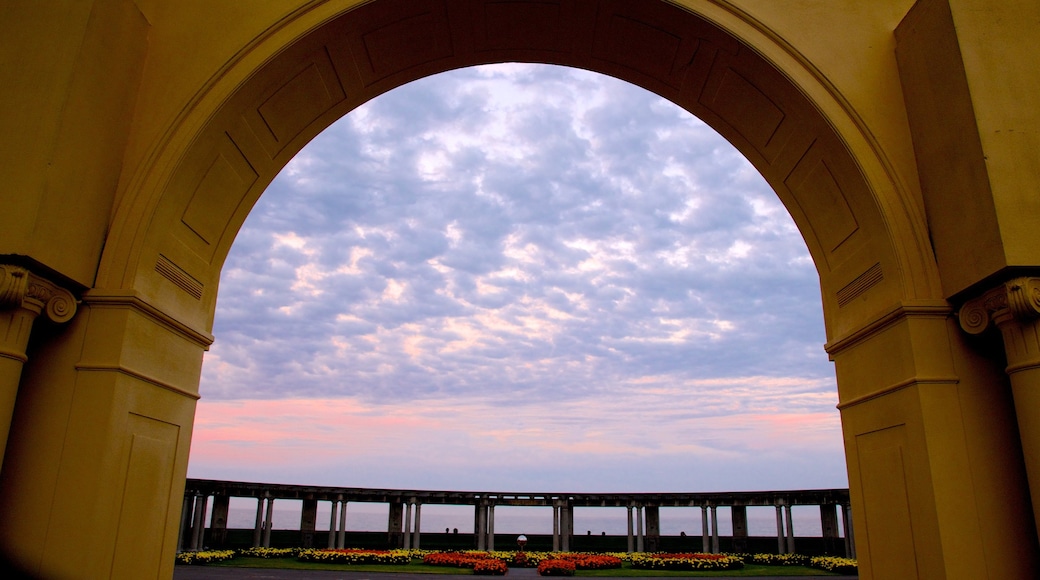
533,233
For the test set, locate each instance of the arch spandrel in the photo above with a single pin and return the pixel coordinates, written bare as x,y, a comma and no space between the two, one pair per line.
348,60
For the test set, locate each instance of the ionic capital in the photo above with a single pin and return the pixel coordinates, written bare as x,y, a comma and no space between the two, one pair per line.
1016,300
20,288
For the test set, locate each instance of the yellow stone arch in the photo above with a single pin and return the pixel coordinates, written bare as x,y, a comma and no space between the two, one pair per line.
140,134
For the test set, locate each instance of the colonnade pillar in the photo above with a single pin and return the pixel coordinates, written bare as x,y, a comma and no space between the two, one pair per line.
187,509
829,527
338,532
491,528
1014,308
481,526
563,525
556,528
308,522
269,523
850,541
790,530
631,543
714,530
415,531
198,529
341,531
640,546
705,540
218,521
23,297
258,528
738,515
407,539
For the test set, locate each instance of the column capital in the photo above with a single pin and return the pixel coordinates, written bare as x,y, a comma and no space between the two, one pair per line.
20,288
1016,300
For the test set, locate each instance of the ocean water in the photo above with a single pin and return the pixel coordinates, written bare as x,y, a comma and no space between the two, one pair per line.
523,520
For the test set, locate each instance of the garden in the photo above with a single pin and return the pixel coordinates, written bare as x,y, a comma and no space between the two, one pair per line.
498,563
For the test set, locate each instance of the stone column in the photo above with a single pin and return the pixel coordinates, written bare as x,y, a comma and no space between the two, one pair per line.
781,545
1014,307
308,522
332,526
790,530
829,526
705,542
341,534
491,528
714,530
197,522
630,538
407,539
653,528
186,512
481,527
639,529
394,524
556,527
269,523
23,297
738,515
566,526
850,540
415,533
258,529
218,521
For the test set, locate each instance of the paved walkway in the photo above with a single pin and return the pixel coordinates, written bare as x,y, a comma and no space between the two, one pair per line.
222,573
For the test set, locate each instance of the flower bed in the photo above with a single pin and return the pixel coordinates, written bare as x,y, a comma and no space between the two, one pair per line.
835,564
490,567
775,559
205,557
457,559
268,552
556,567
686,561
394,557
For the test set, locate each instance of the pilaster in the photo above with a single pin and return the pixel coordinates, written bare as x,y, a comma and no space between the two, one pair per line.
23,297
1014,308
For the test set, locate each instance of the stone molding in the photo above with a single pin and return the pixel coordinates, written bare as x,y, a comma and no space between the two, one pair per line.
20,288
1015,300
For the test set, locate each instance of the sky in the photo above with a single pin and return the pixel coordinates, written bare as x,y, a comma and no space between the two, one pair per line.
520,278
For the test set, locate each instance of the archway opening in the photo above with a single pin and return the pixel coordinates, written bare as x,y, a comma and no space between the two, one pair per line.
540,279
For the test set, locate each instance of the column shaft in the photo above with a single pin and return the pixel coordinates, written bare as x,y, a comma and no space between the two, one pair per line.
631,542
196,527
781,545
481,530
407,526
258,529
790,530
332,525
269,523
556,528
705,542
491,528
341,535
187,510
714,531
639,529
415,533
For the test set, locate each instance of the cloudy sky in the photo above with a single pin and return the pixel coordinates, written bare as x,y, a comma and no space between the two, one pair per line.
520,278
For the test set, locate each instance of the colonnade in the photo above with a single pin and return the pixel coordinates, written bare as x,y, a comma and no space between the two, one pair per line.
404,521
